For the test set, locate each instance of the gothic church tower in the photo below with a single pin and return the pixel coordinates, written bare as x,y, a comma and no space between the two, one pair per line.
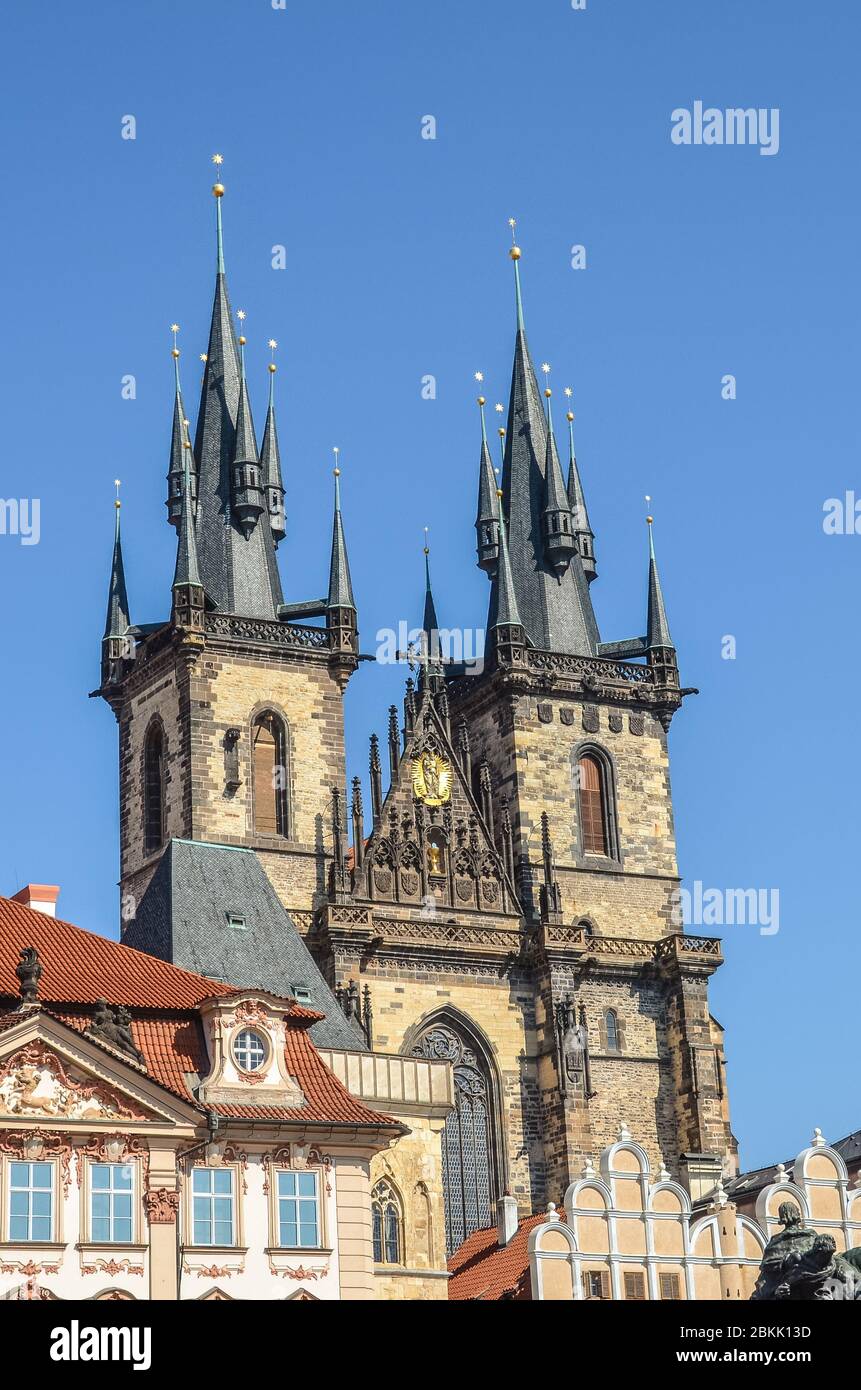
230,711
512,907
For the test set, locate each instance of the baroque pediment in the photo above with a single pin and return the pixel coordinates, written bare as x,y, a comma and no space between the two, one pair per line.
433,847
36,1083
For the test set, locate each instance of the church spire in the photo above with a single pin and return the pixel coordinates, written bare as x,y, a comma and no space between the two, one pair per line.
486,521
340,604
577,502
505,622
340,584
247,491
237,556
555,607
179,444
188,595
270,460
117,620
657,627
559,542
431,675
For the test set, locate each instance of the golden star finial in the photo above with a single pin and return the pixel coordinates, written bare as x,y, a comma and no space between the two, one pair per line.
218,159
479,376
568,391
174,328
272,344
337,452
117,503
240,314
499,407
203,357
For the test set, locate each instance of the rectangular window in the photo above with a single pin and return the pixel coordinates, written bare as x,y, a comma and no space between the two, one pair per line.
670,1286
635,1286
111,1203
596,1283
31,1201
301,993
212,1206
298,1210
236,921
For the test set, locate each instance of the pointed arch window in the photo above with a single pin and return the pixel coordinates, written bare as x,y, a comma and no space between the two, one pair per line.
611,1023
596,803
387,1225
471,1145
154,789
269,774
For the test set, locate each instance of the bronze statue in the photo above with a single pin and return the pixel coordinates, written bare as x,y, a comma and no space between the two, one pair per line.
801,1266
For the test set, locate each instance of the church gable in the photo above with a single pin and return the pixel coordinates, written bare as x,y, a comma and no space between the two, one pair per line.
431,846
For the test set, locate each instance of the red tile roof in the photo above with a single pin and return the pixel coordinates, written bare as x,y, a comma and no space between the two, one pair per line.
482,1269
78,968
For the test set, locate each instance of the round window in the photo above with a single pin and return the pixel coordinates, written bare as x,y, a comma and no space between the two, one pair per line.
249,1050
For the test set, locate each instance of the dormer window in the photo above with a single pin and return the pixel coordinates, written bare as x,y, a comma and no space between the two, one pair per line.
249,1050
236,921
301,993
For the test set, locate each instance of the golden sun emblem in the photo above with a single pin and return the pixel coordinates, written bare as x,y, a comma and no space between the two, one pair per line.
432,779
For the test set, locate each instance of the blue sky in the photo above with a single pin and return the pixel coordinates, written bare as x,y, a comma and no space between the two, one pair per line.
701,262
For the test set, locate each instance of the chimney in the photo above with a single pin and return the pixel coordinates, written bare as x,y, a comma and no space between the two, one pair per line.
506,1218
41,897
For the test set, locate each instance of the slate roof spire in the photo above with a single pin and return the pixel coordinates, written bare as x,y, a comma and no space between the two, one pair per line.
555,608
504,611
247,490
559,543
270,461
486,520
117,621
657,626
431,674
179,445
187,570
237,565
340,583
577,502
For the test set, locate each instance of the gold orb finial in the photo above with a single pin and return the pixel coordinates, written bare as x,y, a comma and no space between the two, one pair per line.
218,188
515,252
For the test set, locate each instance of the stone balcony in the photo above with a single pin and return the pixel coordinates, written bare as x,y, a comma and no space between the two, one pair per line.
395,1084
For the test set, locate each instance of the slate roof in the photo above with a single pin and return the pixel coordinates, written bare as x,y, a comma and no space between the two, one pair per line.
117,616
182,918
483,1270
556,612
239,573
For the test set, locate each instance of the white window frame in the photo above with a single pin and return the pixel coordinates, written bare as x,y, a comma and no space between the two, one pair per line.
194,1196
51,1238
132,1192
297,1197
